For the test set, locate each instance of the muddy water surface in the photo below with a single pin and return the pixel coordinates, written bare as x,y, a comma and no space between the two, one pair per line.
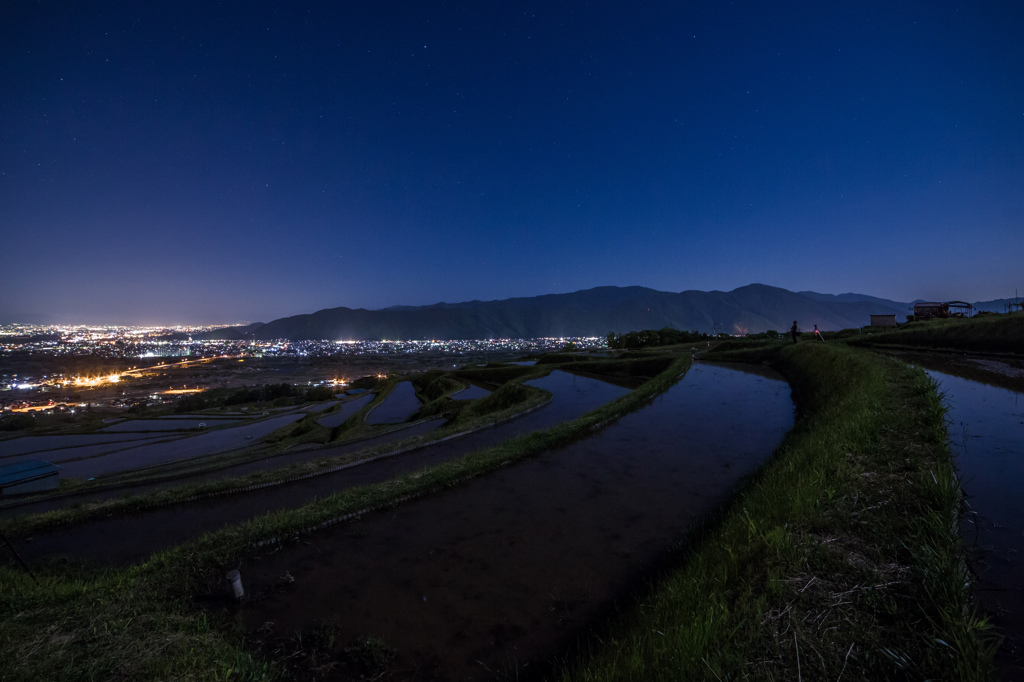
500,572
987,435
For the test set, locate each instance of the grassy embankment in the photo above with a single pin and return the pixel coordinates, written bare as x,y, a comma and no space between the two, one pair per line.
982,334
142,622
841,559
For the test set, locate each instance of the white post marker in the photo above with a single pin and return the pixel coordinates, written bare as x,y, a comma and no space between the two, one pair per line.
235,583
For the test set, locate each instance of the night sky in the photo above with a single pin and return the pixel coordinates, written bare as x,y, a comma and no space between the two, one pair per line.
202,162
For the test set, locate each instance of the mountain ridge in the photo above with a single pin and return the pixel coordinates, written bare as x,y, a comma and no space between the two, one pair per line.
587,312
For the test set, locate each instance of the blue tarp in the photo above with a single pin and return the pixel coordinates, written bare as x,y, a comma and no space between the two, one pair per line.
25,471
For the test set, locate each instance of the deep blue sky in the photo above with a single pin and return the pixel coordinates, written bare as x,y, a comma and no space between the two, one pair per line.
211,162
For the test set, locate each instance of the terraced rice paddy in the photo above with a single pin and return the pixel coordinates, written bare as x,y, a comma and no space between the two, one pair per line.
131,538
508,568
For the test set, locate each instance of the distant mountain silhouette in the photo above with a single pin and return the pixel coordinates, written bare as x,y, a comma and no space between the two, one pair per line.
29,318
591,312
994,306
229,333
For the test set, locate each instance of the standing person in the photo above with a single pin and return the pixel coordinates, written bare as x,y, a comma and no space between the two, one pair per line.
794,331
817,333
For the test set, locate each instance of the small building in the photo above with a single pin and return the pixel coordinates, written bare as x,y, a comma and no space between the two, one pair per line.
927,310
883,320
28,476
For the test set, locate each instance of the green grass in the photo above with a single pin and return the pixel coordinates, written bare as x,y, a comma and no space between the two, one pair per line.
981,334
142,623
840,559
113,625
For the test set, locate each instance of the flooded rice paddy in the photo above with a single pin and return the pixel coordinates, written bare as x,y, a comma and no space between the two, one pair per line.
166,424
322,407
347,410
131,538
152,454
987,436
249,466
36,445
62,456
400,404
214,416
508,569
473,392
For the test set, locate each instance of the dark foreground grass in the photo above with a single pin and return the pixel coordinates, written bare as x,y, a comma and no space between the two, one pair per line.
840,560
143,622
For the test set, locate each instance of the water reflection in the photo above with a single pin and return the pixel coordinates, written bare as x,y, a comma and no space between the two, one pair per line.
506,567
347,410
472,392
130,538
401,404
987,435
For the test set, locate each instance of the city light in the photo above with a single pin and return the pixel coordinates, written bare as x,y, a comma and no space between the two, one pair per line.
170,351
97,381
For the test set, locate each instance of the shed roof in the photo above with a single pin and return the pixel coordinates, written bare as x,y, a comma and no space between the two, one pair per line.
26,470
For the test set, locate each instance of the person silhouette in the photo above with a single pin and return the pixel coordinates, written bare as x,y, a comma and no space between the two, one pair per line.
817,333
794,331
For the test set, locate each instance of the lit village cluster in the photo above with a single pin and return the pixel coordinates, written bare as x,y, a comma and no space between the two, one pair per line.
162,349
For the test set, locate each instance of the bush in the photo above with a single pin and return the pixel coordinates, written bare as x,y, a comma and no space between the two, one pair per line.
496,375
506,396
433,384
192,403
368,382
319,394
261,393
635,365
651,338
17,422
561,358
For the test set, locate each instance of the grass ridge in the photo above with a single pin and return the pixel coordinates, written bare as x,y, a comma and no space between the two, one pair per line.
841,558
